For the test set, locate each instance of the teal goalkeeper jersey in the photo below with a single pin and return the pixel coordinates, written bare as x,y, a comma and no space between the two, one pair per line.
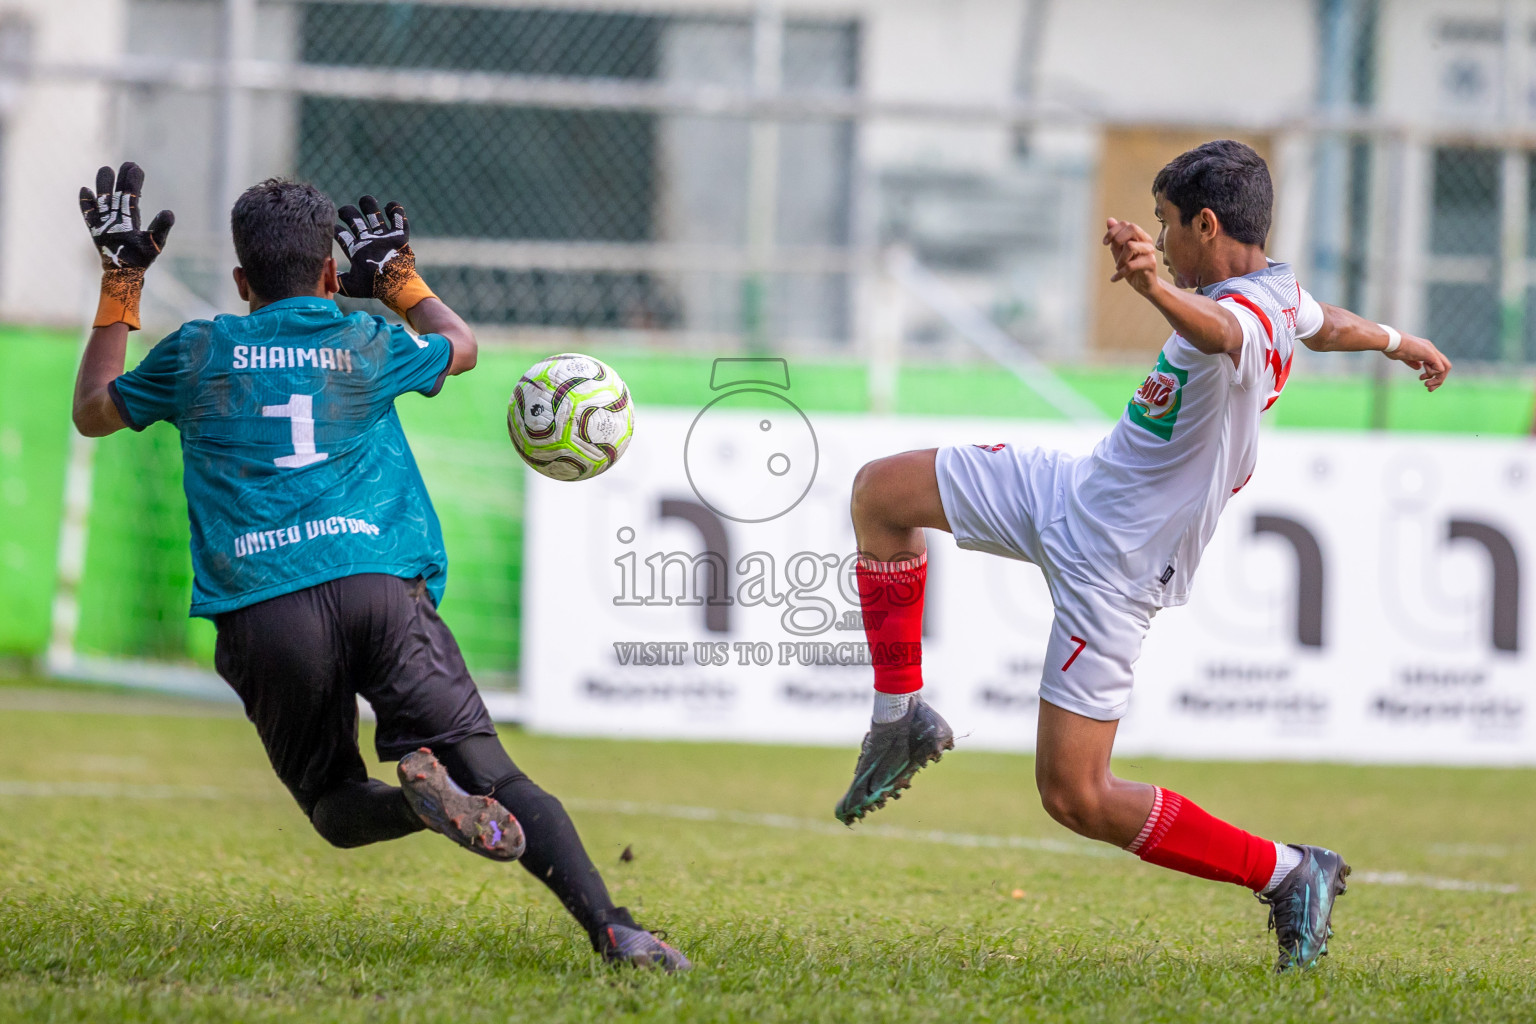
296,468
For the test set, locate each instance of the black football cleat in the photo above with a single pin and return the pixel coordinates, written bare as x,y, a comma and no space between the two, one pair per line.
892,753
1301,907
477,823
621,941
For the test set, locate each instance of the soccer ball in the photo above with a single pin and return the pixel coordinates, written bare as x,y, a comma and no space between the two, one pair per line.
570,416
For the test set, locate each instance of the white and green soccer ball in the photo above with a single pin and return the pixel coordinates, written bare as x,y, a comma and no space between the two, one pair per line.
570,416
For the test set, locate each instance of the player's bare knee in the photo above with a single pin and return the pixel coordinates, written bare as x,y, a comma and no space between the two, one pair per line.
876,494
865,482
1072,804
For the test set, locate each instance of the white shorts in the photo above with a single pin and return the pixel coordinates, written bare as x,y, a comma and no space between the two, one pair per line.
1013,502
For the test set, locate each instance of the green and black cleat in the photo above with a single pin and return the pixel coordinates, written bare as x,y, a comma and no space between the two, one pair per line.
477,823
1301,907
892,753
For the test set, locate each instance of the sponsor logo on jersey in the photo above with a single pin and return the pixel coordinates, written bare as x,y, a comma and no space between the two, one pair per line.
990,447
1155,406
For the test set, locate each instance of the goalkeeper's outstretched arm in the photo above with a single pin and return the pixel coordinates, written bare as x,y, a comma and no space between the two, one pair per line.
433,316
103,362
111,214
378,242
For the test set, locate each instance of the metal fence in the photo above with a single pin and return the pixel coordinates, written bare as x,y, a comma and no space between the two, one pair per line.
695,176
562,167
721,178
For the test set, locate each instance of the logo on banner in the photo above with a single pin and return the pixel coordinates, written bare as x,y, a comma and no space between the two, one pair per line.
1155,406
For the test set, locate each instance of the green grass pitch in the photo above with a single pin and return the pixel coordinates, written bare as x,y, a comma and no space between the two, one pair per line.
155,870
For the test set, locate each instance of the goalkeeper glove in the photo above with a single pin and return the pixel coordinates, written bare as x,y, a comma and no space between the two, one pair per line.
112,215
379,246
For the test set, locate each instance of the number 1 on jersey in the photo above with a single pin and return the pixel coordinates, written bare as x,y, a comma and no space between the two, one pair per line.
300,412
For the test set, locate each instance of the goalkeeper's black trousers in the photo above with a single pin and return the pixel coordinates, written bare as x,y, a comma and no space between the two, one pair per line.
299,662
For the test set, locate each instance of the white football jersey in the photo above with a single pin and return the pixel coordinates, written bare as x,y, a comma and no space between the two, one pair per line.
1145,503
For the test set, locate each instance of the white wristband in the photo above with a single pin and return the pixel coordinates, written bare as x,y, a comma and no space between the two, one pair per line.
1394,339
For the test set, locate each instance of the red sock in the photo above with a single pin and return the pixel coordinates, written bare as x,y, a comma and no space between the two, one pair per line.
1181,836
891,596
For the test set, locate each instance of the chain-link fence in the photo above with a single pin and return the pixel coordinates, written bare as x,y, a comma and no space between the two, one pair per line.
710,179
734,174
555,175
1425,218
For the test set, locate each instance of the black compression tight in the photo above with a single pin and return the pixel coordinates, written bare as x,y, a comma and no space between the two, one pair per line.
555,854
359,813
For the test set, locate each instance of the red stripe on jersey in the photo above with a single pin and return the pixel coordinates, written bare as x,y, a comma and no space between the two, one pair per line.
1252,307
1281,370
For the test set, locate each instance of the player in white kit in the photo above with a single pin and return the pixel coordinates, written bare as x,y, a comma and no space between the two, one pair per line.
1119,534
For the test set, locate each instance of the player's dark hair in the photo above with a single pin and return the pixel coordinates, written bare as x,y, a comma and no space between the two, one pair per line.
1229,179
282,231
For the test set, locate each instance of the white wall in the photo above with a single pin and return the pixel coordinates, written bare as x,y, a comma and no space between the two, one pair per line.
59,133
1415,61
1235,62
958,52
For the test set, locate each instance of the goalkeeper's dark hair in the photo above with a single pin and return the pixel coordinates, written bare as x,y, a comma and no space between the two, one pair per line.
1227,178
282,232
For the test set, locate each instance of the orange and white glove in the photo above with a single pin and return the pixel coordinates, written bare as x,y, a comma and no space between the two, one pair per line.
112,215
379,245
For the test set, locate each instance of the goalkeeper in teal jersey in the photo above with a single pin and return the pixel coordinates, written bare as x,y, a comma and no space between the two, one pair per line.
315,549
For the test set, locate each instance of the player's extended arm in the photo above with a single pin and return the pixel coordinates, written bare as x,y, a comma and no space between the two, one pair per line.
1343,331
112,214
1203,322
103,361
378,242
434,316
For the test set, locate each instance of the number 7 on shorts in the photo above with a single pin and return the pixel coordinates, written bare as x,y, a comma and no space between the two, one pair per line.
1081,643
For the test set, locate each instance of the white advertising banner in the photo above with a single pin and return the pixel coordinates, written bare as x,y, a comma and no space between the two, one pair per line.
1363,598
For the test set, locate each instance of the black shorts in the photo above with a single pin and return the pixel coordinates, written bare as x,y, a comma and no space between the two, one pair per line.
300,661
